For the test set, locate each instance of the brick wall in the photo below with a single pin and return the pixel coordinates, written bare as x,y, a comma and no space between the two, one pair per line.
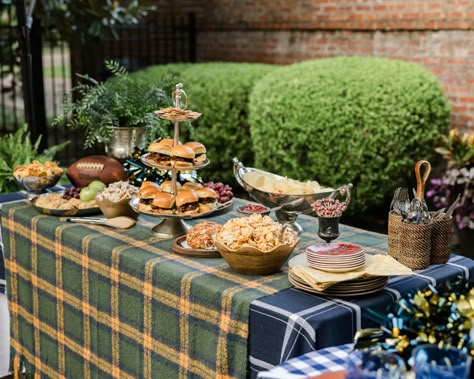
437,34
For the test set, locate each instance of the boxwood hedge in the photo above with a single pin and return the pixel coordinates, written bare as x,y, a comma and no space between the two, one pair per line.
363,120
220,91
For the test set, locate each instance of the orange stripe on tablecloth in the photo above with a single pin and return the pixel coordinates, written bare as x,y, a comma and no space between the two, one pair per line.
192,263
12,267
148,317
167,298
128,331
100,363
34,284
133,282
114,309
60,299
31,358
184,311
86,310
227,326
185,306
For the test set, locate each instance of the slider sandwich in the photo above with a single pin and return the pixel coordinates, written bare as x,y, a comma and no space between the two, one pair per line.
167,186
199,151
163,203
187,202
146,195
207,199
182,156
160,152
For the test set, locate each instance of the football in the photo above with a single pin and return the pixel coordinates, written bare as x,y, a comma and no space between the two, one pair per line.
95,167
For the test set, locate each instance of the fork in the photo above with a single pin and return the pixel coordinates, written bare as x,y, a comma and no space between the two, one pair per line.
404,202
394,203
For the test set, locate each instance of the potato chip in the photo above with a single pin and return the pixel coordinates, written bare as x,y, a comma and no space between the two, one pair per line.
270,183
257,231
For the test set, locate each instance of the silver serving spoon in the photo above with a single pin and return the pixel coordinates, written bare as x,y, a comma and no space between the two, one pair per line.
120,222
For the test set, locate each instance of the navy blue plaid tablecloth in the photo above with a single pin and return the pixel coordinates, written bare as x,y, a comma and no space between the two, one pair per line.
330,359
292,322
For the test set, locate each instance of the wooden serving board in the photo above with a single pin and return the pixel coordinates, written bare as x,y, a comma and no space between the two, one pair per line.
180,247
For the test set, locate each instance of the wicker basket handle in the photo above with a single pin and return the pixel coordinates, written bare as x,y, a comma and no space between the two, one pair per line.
421,181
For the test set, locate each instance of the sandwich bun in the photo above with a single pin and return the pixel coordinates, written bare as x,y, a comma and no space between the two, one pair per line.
206,193
148,192
166,186
192,186
147,183
207,199
182,151
146,195
207,207
183,156
160,147
197,147
199,151
163,203
167,141
186,196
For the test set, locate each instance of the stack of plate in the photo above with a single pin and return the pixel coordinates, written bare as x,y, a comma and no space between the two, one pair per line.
335,257
349,288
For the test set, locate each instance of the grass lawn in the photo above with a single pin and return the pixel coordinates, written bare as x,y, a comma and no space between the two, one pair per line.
58,71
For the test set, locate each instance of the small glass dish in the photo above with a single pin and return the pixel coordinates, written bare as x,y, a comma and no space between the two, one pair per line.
37,184
249,209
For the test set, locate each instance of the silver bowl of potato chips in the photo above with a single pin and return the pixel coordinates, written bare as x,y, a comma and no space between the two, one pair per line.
36,177
287,197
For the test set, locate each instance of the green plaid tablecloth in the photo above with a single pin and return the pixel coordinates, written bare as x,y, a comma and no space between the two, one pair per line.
91,301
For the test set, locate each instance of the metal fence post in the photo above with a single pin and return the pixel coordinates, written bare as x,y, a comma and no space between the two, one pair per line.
29,31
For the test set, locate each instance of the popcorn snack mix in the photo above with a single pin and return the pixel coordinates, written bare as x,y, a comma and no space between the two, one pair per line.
38,169
257,231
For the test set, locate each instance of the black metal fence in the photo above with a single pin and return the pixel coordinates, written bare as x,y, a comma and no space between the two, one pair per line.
156,40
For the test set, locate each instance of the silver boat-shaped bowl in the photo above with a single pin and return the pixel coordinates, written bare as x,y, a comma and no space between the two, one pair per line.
287,207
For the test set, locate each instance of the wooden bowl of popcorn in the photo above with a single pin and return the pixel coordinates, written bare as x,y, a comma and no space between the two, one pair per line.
255,245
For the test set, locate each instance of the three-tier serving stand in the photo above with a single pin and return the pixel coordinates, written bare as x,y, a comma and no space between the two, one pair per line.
173,225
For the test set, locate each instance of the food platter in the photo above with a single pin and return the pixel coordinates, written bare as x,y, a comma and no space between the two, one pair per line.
64,212
221,208
181,247
148,162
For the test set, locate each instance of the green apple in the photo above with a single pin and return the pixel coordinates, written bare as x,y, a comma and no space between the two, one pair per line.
97,185
87,194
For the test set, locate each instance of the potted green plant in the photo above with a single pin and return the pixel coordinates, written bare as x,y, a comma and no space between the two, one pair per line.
117,112
458,178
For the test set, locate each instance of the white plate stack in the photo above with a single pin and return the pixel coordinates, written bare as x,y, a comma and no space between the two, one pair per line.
335,257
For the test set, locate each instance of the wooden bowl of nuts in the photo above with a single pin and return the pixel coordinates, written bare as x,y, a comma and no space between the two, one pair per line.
255,245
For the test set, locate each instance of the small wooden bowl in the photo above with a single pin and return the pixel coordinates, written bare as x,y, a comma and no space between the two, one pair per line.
250,261
112,209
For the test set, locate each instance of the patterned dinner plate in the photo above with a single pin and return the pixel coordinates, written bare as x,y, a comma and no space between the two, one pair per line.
334,249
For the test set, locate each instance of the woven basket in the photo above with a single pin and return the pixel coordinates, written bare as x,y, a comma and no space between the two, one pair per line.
409,244
440,240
